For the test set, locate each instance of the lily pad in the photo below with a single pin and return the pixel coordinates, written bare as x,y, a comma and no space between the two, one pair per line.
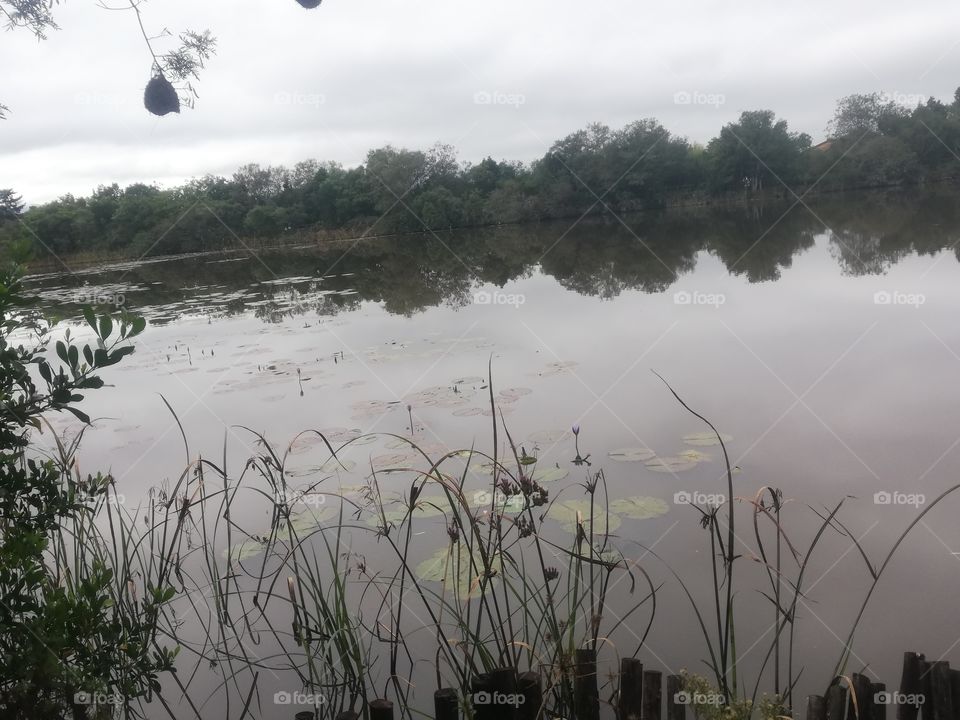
566,514
244,550
695,456
392,460
549,437
515,392
426,507
510,505
549,474
706,439
333,465
468,412
311,518
632,454
670,464
453,566
639,507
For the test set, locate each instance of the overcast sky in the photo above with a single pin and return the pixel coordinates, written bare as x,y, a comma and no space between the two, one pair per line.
503,78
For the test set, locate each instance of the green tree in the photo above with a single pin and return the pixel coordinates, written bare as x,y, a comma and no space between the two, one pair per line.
756,151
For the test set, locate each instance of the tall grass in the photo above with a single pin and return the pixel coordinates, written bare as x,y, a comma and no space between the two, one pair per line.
295,607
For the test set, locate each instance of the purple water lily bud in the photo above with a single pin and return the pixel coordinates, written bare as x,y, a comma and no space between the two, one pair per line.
576,429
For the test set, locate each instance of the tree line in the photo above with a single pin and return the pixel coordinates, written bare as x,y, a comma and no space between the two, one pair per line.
874,142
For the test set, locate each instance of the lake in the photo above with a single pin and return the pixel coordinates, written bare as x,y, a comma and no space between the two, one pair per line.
821,338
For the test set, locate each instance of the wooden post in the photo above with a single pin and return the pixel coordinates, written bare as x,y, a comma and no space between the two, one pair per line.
303,715
861,700
675,710
926,687
909,685
482,687
586,694
836,698
346,715
816,707
528,685
505,683
878,691
446,704
381,710
955,690
942,695
652,682
630,702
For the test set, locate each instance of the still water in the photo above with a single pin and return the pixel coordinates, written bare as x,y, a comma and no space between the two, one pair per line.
822,339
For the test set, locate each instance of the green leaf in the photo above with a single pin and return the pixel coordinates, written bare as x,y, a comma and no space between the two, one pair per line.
106,326
90,317
74,356
45,371
88,355
137,326
80,415
120,353
62,351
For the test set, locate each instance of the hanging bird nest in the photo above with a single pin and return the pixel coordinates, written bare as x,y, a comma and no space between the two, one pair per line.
310,4
160,96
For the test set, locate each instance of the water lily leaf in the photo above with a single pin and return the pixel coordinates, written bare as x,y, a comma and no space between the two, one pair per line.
549,437
468,412
706,439
549,474
310,518
392,460
244,550
426,507
639,507
631,454
334,465
509,504
566,514
453,567
670,464
515,392
695,456
468,380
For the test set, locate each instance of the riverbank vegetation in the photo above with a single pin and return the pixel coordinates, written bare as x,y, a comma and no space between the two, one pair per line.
874,142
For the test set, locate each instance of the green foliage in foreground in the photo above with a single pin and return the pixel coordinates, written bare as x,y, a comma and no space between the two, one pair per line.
874,143
66,634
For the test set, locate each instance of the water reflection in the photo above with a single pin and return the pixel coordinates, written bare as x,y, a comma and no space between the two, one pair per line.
603,258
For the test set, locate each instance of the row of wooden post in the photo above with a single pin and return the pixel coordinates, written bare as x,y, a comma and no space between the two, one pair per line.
856,698
928,689
640,695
